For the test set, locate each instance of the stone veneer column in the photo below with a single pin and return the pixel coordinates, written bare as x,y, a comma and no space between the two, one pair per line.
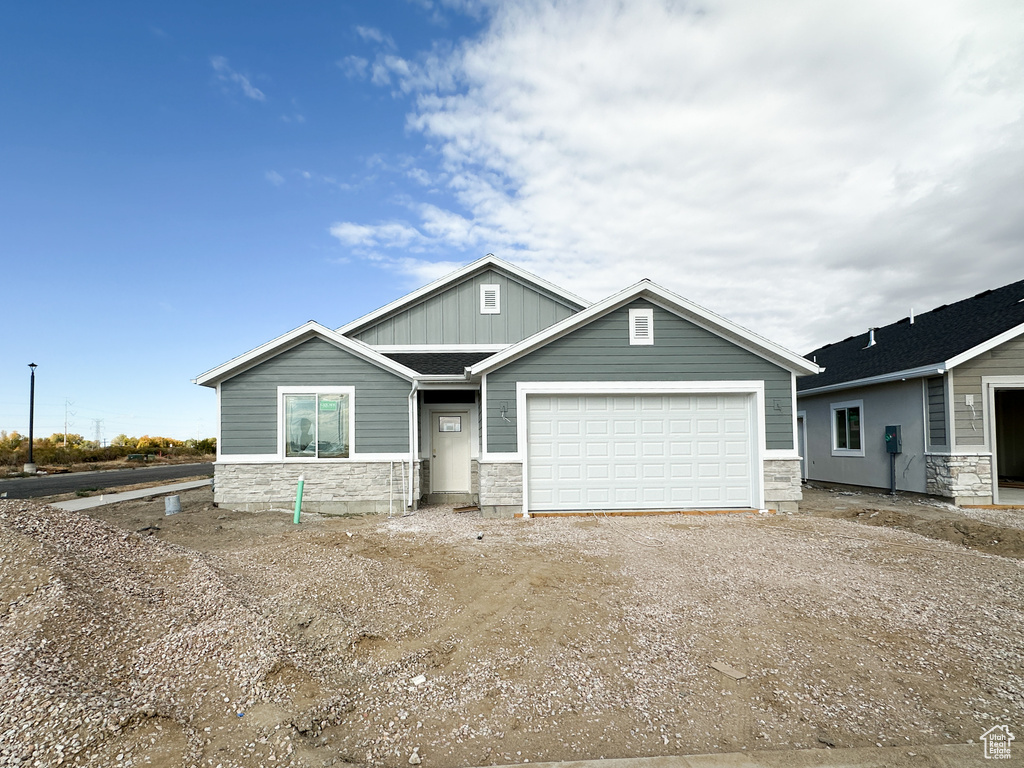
965,478
501,489
782,488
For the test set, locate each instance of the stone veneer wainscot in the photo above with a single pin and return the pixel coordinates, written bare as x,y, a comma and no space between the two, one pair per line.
966,478
351,487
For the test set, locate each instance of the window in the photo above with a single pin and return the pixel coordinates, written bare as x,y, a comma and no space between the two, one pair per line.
490,299
847,438
449,424
641,326
316,424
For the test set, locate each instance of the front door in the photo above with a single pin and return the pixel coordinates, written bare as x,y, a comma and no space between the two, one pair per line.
450,444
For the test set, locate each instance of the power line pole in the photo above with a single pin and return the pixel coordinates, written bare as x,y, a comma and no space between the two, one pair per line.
99,428
67,403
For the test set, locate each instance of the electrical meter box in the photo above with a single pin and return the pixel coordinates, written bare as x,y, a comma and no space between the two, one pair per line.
894,439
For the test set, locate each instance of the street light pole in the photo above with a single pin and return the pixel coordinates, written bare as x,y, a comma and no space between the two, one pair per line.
31,466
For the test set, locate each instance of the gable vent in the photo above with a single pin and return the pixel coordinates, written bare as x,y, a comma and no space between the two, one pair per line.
490,299
641,326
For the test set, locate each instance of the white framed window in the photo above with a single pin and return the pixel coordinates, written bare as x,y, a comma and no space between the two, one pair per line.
490,299
315,422
847,428
641,326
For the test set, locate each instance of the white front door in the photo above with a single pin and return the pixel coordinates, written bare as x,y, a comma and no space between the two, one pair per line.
450,452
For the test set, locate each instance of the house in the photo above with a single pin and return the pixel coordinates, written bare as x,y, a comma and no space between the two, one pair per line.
952,379
494,387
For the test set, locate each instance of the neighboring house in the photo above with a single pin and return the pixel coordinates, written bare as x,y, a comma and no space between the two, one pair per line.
495,387
952,379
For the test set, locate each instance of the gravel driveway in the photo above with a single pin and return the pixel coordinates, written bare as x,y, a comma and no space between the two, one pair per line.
237,639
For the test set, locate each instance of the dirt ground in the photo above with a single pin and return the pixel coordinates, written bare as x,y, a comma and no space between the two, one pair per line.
222,638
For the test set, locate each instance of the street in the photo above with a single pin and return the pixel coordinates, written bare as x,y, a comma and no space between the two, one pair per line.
51,485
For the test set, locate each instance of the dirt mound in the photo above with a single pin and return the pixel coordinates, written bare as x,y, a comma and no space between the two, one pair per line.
119,648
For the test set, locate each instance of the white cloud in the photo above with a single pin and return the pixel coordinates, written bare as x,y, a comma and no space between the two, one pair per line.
374,35
354,67
806,170
274,178
227,75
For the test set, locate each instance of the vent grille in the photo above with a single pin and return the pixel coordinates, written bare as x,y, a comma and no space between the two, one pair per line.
641,326
490,299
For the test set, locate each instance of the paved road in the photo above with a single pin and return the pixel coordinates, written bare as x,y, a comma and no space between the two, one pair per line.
51,485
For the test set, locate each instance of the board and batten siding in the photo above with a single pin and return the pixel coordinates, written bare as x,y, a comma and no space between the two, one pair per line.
600,351
453,315
1005,360
937,432
248,401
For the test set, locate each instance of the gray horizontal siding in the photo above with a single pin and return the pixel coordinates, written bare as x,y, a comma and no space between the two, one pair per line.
600,351
937,432
453,316
1005,360
248,401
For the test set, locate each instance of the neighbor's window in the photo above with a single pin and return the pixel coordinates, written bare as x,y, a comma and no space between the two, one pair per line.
316,426
846,428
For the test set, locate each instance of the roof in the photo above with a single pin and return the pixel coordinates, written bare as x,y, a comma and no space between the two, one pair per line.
487,262
438,363
664,298
933,342
294,337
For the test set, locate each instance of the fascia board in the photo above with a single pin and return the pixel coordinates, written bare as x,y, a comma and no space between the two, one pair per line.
667,300
489,260
293,338
985,346
910,373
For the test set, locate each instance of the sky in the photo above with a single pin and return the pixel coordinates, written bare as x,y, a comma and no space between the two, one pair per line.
182,182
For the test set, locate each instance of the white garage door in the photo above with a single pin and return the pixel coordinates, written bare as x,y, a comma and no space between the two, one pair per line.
623,452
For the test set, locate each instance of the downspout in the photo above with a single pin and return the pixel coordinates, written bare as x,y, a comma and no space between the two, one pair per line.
413,441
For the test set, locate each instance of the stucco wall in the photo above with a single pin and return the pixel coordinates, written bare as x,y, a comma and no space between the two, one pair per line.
900,403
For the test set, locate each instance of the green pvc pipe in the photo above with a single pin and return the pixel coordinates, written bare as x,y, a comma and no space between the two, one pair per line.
298,500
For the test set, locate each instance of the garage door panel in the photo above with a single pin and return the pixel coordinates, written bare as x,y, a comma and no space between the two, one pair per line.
639,451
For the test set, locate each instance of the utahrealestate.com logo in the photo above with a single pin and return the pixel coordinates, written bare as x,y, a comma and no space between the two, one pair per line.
997,742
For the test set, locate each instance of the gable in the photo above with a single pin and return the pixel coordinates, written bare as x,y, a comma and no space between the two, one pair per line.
453,314
248,400
601,351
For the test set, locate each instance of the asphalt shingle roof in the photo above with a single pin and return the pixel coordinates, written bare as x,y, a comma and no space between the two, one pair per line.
933,338
439,363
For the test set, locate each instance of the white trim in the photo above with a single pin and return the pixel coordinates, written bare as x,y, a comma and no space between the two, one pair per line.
220,422
950,411
483,417
985,346
781,453
485,289
490,260
349,391
430,384
792,409
989,386
754,388
910,373
845,405
664,298
273,458
293,338
801,426
957,453
397,349
500,458
635,315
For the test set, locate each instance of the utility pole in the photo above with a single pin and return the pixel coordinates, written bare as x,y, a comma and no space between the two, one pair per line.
98,423
67,403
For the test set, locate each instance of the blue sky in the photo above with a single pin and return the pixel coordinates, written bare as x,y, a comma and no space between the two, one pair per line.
181,183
